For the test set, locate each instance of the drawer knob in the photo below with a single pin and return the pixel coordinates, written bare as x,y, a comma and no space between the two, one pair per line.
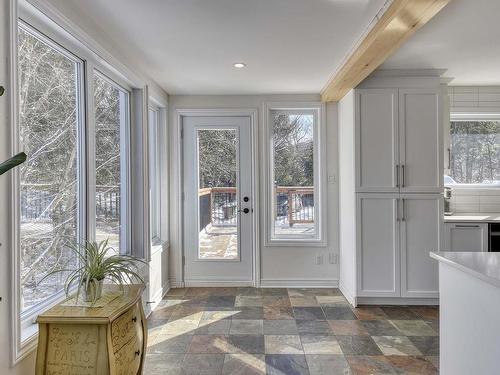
134,319
138,353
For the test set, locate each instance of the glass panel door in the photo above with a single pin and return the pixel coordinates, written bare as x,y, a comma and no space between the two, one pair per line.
218,203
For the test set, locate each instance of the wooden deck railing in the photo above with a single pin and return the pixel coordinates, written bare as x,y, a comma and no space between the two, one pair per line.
293,204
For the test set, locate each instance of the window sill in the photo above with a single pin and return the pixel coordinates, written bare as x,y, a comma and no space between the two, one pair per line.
158,246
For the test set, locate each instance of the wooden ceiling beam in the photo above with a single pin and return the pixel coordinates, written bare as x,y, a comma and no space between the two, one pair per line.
400,21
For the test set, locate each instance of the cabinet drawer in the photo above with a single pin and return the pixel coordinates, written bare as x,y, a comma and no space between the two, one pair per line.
126,327
128,358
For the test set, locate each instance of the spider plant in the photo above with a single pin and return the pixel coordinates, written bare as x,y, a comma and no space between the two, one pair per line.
95,265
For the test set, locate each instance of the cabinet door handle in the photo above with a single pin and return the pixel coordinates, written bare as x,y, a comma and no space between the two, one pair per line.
137,352
134,319
397,175
397,209
404,210
404,177
466,226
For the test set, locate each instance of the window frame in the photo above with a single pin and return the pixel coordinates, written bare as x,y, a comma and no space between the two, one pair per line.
319,167
125,148
470,117
155,175
25,327
59,33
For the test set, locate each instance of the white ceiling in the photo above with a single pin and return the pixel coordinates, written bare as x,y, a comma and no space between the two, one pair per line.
463,38
189,46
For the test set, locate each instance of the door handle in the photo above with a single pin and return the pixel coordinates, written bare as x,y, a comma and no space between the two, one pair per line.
404,177
397,175
245,210
404,210
397,209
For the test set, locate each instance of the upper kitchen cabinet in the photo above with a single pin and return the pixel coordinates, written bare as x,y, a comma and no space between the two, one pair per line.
377,148
398,140
420,140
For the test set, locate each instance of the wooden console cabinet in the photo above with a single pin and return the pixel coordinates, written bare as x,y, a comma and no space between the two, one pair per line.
94,341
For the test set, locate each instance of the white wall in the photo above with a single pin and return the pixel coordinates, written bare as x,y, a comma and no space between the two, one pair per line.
347,208
484,99
280,266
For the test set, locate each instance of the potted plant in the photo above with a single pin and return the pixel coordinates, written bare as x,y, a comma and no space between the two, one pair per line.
95,265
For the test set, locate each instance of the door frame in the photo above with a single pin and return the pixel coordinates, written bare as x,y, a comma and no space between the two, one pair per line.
179,189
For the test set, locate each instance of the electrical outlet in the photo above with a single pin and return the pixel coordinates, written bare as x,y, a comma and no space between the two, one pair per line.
319,259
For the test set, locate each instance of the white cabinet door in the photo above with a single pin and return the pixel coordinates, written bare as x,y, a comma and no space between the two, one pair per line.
421,227
376,140
378,263
466,237
420,136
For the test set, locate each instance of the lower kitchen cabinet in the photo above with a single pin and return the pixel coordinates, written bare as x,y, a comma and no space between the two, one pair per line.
378,255
421,228
466,237
395,233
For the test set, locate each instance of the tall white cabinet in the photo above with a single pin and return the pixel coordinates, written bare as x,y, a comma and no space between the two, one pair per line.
391,208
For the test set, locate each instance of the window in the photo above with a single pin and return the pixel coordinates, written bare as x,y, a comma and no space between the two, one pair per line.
111,104
154,173
474,153
294,174
74,167
49,128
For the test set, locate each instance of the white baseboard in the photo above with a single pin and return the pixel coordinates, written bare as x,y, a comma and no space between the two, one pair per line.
347,294
299,283
155,301
216,283
176,284
397,301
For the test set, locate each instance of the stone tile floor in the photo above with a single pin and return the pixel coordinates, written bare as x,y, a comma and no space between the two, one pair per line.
248,331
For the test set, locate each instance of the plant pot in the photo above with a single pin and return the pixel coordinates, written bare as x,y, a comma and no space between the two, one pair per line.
93,291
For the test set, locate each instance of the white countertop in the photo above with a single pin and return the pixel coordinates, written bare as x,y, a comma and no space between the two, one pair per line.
473,217
484,266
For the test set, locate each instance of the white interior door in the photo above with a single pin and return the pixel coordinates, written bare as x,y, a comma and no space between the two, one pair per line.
218,201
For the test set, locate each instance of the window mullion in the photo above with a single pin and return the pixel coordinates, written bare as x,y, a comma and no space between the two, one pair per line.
90,193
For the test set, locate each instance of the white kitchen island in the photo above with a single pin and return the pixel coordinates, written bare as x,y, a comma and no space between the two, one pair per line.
469,292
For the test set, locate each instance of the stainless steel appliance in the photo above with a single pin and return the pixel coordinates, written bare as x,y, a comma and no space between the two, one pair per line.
447,201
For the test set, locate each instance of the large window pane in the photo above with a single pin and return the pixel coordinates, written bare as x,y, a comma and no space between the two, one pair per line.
293,172
475,153
217,193
48,131
111,124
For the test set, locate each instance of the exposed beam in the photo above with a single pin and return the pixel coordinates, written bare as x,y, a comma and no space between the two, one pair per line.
400,21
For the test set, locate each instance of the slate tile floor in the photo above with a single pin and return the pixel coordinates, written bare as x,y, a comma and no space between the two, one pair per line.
248,331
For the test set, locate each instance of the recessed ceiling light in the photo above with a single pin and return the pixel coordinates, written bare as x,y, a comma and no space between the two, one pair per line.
239,65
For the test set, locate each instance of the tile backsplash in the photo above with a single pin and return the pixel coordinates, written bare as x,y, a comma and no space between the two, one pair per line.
467,200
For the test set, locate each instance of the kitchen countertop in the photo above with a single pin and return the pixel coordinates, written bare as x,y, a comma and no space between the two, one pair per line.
473,217
484,266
